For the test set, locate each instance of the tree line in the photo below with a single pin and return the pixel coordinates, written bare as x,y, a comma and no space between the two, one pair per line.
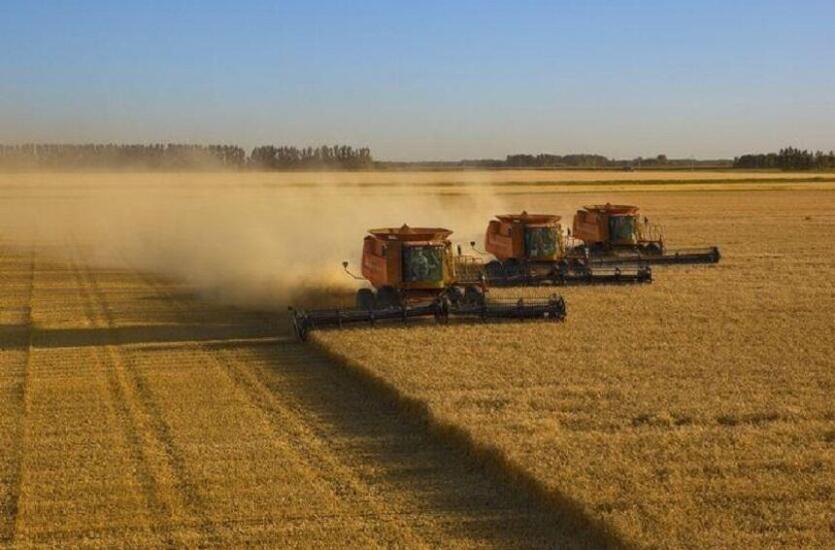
789,158
173,156
269,157
545,160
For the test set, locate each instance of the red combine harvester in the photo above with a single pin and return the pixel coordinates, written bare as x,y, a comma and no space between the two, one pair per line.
413,272
616,233
415,264
530,249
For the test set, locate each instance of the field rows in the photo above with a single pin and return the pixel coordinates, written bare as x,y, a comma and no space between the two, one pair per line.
694,412
133,413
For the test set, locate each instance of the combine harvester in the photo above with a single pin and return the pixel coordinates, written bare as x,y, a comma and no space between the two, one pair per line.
531,249
616,234
414,273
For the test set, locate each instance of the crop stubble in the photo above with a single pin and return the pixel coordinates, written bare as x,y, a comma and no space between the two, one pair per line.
691,412
134,413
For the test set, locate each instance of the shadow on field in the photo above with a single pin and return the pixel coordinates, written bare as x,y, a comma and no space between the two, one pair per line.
17,336
14,336
409,457
421,477
153,334
395,452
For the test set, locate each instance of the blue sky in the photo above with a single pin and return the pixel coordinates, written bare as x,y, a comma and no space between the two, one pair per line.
424,80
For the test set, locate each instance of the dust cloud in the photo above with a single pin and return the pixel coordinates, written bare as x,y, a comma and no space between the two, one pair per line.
261,246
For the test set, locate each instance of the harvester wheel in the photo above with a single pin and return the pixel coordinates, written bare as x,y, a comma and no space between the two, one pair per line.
473,296
388,297
598,249
494,270
442,307
577,264
511,268
556,276
653,249
366,299
454,295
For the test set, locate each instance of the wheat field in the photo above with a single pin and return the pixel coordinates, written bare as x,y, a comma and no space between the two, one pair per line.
135,414
145,402
695,412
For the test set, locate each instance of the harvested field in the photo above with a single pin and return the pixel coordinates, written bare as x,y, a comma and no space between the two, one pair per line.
138,409
132,413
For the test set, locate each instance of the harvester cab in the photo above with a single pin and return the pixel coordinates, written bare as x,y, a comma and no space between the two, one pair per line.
414,264
607,226
531,249
618,233
515,238
413,272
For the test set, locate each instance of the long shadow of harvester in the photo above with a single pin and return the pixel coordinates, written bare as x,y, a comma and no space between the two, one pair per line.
14,336
391,450
148,334
18,336
408,455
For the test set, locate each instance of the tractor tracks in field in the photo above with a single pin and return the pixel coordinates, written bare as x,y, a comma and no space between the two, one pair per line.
10,505
394,471
336,475
289,422
170,495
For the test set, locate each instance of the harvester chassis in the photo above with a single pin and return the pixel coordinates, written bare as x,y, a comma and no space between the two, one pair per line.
389,297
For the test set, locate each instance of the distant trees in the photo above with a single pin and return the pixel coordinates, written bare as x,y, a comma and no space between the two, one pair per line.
175,156
269,157
599,161
544,160
788,158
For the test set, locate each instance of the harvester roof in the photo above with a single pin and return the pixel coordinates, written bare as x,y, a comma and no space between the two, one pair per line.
528,219
410,234
612,209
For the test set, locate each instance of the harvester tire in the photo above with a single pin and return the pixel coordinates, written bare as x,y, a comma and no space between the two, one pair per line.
511,268
473,296
653,249
442,307
366,299
454,295
494,270
388,297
